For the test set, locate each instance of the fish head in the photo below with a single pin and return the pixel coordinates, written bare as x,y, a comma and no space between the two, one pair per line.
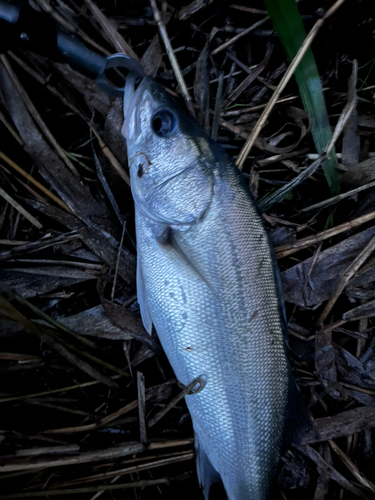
170,158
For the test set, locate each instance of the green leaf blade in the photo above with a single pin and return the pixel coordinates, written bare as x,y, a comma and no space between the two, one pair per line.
291,32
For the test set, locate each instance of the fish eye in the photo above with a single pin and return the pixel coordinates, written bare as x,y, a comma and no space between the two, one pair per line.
164,123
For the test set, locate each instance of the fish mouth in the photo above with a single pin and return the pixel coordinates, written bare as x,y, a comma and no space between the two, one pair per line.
134,86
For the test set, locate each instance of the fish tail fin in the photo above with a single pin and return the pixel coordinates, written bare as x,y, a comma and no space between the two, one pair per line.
207,474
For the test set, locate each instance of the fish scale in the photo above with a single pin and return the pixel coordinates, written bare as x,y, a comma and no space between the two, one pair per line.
207,282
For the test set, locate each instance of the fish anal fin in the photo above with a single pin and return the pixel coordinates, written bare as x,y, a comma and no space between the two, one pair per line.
142,300
207,474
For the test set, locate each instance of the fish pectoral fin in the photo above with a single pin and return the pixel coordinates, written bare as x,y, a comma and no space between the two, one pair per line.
192,265
142,300
207,474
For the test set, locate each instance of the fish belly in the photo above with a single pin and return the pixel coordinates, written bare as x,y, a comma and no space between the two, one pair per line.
212,298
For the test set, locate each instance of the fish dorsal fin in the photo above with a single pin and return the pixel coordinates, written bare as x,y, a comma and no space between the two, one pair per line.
280,294
207,474
298,420
142,300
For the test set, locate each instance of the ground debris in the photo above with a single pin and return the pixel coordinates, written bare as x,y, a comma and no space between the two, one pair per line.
89,404
326,271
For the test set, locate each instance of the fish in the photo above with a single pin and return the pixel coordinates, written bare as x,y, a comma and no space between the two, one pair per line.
208,282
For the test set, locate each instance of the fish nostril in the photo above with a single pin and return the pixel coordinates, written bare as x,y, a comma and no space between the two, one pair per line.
140,171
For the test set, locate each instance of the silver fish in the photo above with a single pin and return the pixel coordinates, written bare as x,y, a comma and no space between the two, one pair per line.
208,282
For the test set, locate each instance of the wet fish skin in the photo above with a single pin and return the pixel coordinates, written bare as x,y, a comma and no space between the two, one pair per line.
206,280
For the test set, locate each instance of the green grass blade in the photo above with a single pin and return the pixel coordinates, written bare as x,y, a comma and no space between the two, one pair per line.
291,32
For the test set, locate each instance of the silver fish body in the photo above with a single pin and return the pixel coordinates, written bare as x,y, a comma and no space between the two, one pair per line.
206,280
